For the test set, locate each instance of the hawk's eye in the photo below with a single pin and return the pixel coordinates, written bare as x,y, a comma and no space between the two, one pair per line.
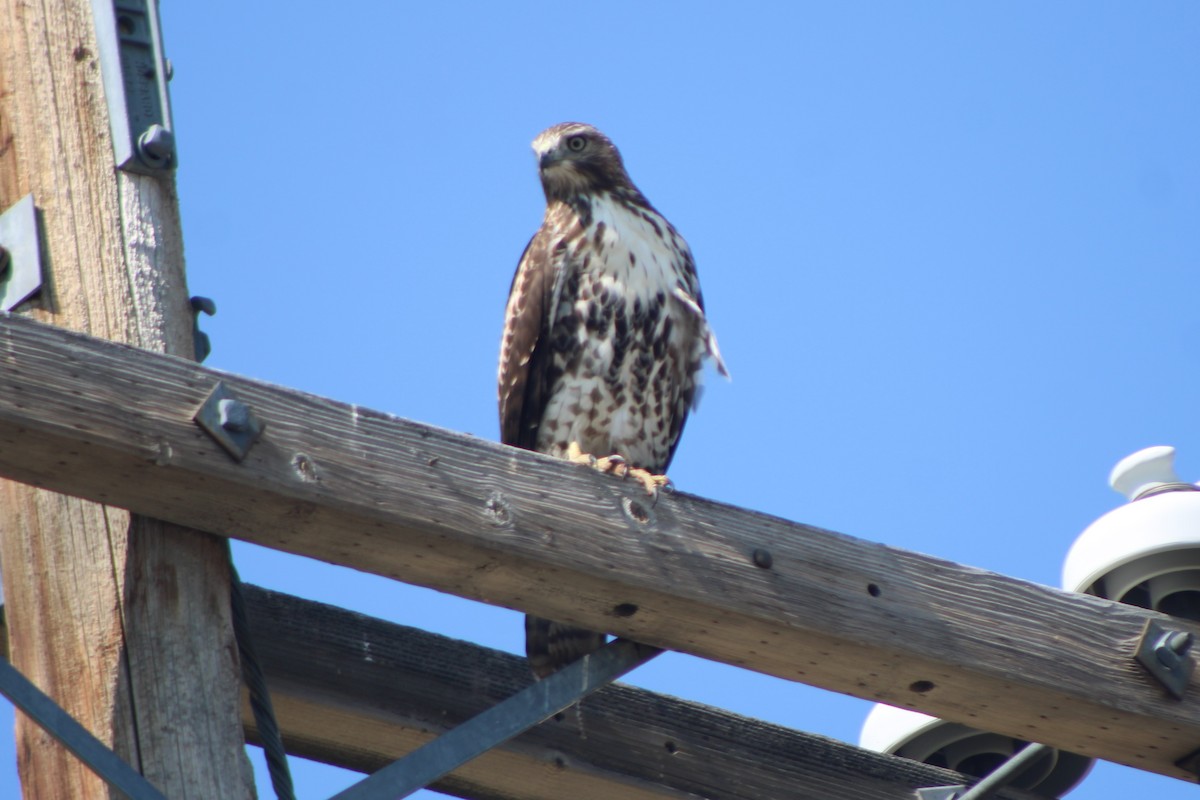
576,144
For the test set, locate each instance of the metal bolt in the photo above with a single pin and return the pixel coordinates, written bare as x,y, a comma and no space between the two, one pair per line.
1180,642
234,415
1172,648
762,558
156,145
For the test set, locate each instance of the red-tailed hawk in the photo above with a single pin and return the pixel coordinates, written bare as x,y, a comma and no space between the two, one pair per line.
604,336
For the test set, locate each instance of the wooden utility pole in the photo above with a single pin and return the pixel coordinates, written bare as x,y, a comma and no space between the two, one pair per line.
123,620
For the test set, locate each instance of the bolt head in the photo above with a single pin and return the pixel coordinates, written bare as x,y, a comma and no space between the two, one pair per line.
156,146
234,415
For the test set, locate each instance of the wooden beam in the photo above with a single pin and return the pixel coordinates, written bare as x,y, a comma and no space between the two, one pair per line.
359,692
122,619
434,508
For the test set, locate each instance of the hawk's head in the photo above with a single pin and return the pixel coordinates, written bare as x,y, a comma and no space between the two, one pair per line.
576,159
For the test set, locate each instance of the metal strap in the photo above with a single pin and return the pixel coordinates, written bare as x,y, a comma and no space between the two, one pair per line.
1008,771
90,750
995,780
501,722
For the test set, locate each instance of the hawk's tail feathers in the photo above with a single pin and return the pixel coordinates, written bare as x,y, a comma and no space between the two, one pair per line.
550,646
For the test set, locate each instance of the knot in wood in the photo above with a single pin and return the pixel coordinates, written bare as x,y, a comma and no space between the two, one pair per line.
498,510
625,610
163,453
763,558
306,468
636,511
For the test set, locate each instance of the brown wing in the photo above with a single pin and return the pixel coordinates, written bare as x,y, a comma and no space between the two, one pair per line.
523,376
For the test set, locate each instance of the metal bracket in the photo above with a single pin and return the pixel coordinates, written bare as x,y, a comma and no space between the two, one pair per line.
200,341
1165,654
20,254
62,726
501,722
135,84
229,421
941,793
995,780
1190,763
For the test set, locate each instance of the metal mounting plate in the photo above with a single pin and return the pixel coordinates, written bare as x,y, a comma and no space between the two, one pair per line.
135,84
229,421
1164,653
21,261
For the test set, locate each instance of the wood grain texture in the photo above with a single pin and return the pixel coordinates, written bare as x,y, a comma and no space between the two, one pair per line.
434,508
359,692
122,619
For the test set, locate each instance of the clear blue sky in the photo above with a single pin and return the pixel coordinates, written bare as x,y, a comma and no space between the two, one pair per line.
950,250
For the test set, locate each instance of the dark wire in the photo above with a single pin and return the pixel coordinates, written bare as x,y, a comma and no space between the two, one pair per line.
260,699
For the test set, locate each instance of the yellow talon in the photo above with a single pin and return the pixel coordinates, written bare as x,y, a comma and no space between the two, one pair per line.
617,465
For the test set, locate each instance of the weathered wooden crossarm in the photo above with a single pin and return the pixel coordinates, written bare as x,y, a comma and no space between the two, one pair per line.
439,509
358,692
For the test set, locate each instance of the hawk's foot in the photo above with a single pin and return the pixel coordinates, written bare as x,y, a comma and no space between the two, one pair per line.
617,465
650,482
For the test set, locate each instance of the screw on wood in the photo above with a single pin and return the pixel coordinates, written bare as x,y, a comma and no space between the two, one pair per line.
763,558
